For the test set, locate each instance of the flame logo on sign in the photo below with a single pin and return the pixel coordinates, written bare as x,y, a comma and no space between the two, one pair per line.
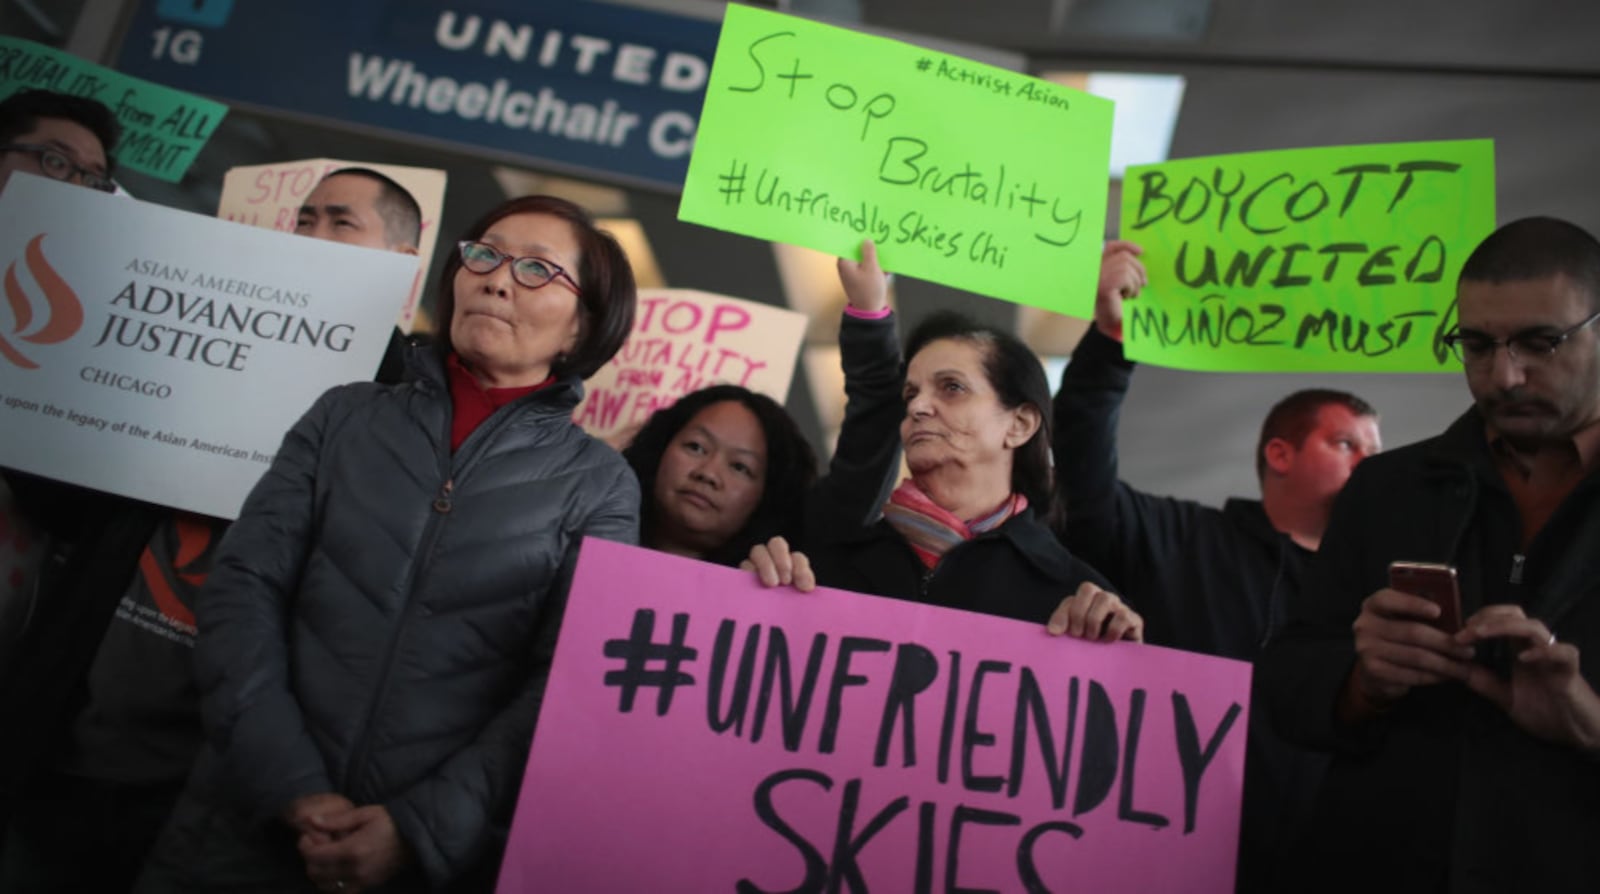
63,311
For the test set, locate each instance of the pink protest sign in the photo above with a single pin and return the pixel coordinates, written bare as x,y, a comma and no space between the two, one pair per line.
682,341
702,734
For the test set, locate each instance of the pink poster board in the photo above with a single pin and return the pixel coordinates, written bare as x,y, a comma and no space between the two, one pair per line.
684,340
833,741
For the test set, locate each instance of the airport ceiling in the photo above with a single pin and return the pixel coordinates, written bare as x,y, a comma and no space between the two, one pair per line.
1548,37
1260,74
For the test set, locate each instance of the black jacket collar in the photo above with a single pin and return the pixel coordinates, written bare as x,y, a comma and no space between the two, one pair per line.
425,368
1461,448
1026,534
1250,516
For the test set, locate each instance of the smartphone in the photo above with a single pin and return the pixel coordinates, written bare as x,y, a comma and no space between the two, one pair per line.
1433,582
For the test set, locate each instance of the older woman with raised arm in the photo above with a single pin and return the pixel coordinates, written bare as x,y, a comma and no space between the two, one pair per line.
968,528
375,638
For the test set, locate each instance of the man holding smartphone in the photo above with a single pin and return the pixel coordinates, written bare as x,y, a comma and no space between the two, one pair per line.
1468,760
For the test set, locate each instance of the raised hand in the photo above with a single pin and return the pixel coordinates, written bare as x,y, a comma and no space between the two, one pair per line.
866,286
1122,276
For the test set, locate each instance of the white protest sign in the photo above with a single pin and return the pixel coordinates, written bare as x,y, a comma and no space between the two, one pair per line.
682,341
271,195
162,355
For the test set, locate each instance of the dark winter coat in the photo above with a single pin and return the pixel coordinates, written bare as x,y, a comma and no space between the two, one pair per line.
381,621
1205,580
96,540
866,458
1016,571
1444,792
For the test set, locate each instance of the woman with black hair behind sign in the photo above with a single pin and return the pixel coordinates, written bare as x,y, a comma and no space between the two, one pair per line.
375,638
725,468
968,529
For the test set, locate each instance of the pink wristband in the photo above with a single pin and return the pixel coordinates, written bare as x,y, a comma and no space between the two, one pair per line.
867,314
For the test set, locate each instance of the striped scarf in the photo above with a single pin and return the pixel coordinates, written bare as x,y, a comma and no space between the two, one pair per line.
932,530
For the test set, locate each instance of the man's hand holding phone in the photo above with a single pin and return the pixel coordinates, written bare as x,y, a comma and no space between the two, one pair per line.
1399,645
1544,692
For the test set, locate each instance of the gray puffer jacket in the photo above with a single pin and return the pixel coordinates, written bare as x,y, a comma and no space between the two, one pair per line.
383,614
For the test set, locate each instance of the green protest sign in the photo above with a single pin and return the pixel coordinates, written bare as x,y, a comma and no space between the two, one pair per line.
1308,260
162,129
963,173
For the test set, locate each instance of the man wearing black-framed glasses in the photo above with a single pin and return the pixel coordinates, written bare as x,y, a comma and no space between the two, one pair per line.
1531,346
1466,759
55,135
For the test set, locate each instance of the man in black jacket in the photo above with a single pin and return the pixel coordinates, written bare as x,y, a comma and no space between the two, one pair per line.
66,138
1208,580
1468,761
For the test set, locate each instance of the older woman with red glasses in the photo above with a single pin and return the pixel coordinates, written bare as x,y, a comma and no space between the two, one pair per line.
970,528
374,640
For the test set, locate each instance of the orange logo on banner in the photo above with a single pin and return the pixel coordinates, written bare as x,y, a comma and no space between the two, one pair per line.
64,315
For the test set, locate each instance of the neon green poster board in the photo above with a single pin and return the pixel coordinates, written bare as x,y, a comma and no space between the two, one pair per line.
964,174
162,129
1308,260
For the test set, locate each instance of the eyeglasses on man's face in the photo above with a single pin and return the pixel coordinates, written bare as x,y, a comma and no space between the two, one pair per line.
1529,346
529,272
57,166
